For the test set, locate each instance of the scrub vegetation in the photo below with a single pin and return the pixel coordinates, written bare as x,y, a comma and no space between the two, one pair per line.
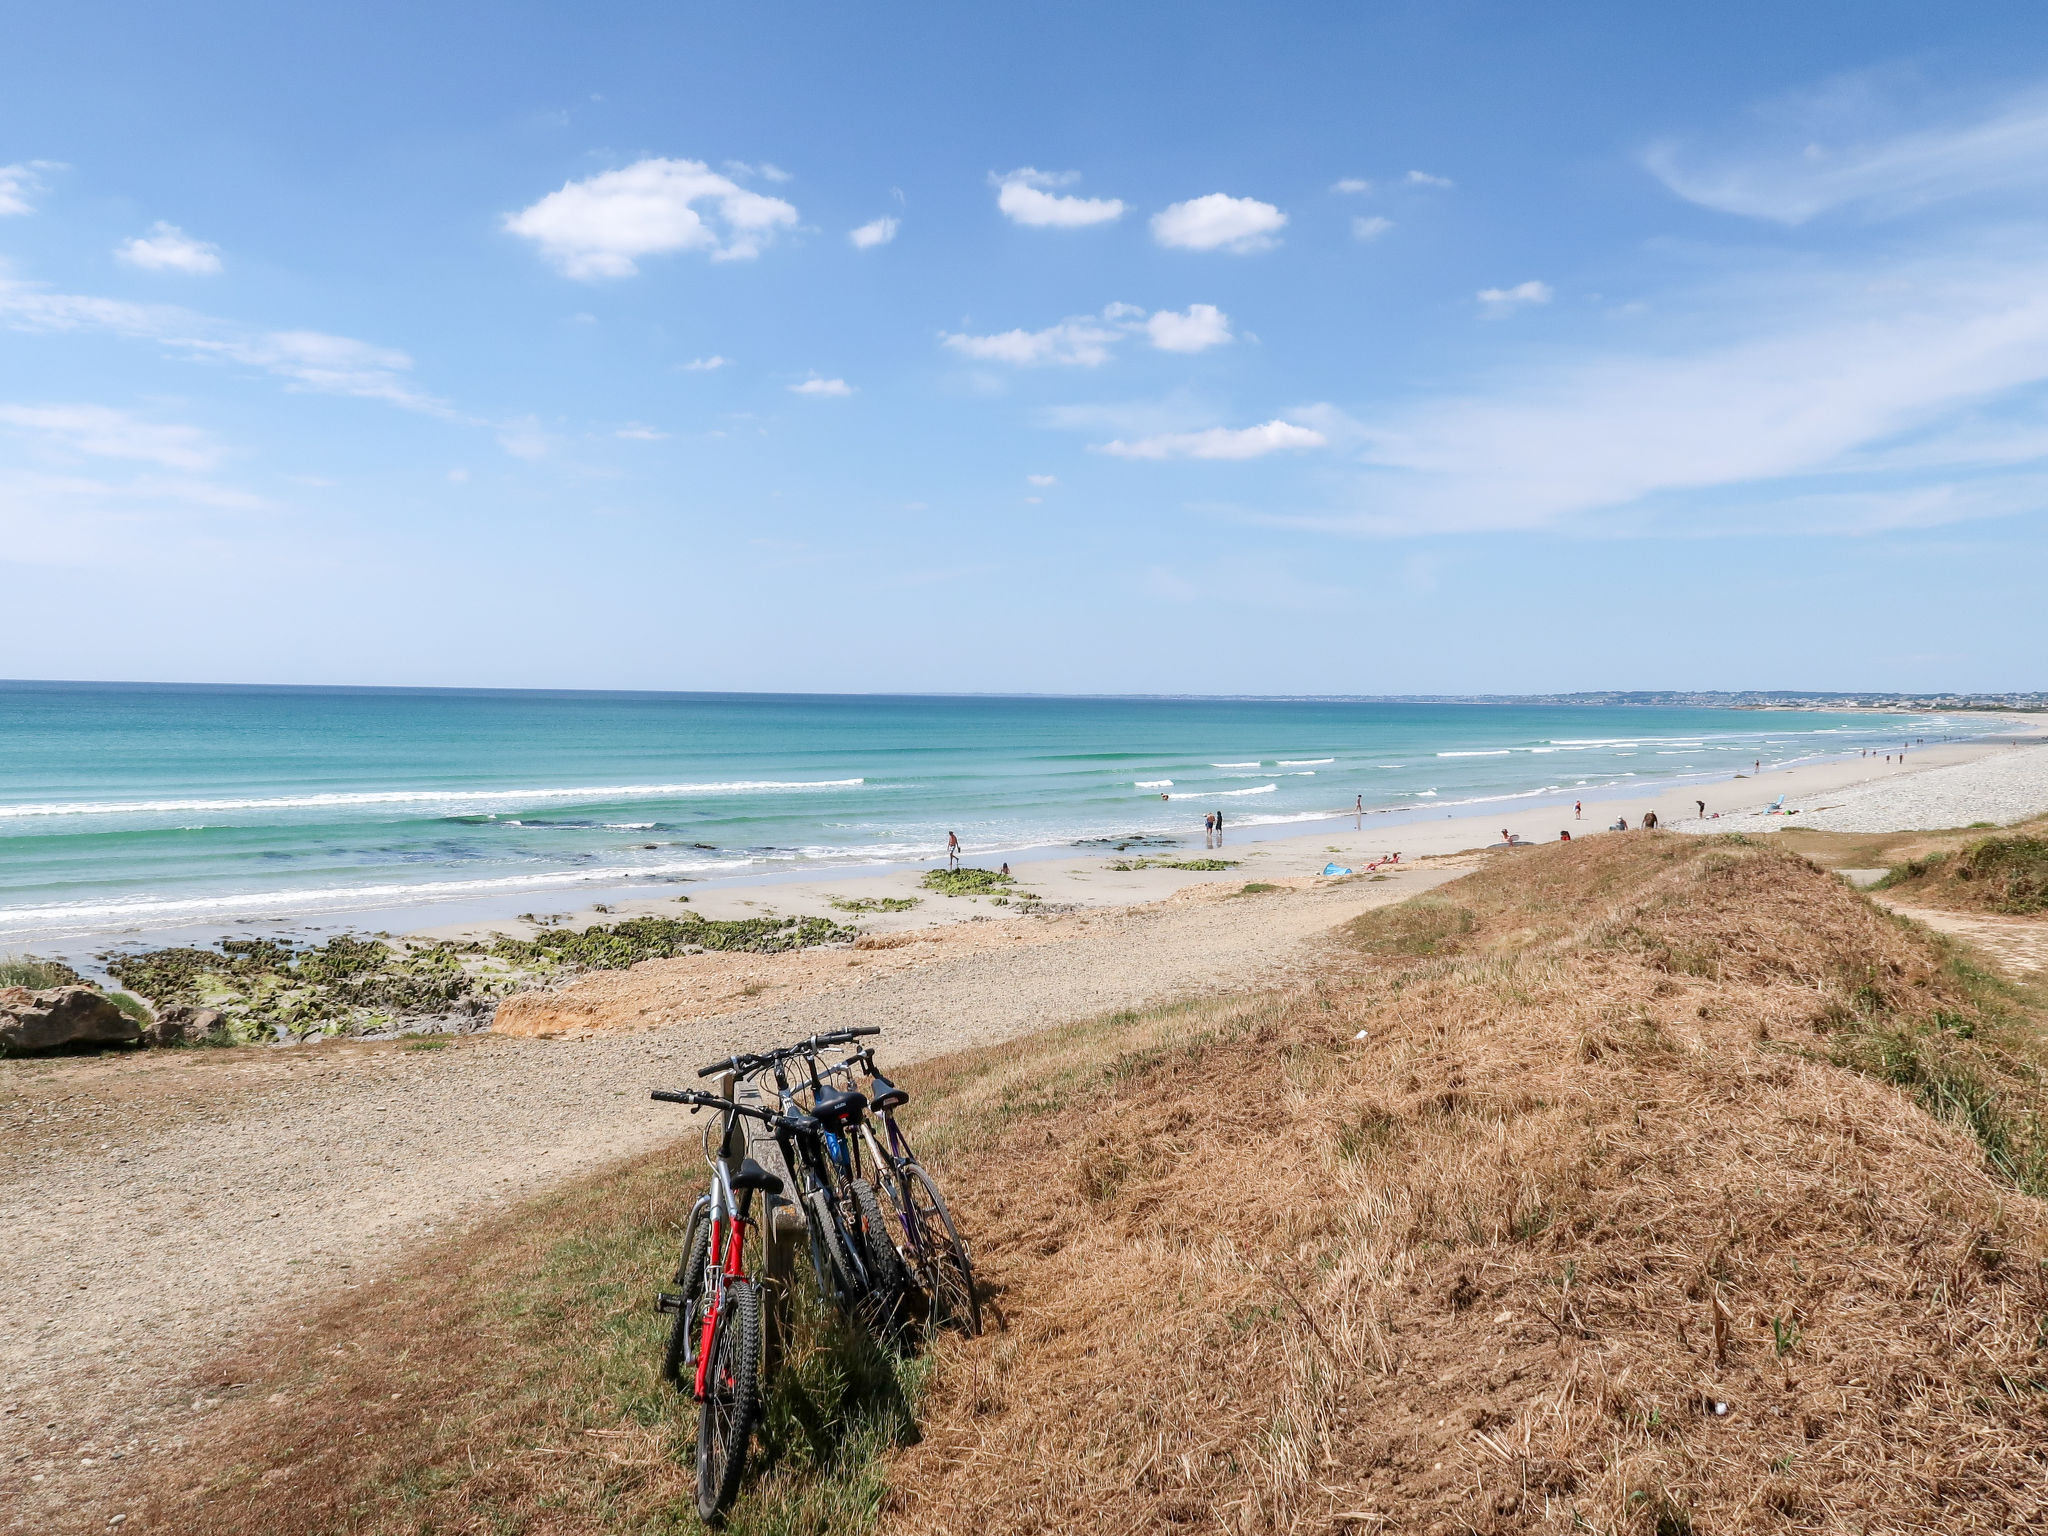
1643,1185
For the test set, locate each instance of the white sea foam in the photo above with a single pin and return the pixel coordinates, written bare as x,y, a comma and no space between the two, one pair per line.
1304,762
1153,784
1224,794
447,797
1233,765
1501,752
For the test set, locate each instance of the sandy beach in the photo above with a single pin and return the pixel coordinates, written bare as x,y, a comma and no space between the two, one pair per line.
162,1206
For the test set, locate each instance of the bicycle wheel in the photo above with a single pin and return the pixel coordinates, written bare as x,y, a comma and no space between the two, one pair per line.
682,1329
883,1307
732,1397
839,1277
946,1271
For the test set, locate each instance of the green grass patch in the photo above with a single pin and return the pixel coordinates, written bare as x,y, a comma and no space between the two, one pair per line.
1255,888
1203,866
36,974
966,881
428,1043
876,903
1419,927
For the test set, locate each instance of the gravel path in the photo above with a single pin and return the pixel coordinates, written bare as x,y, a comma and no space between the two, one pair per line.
2006,787
157,1207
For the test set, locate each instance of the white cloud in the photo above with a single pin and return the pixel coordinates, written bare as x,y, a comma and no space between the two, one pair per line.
1424,179
1846,398
1218,222
598,227
1219,443
1202,327
873,233
1500,301
633,431
1351,185
1043,480
307,360
104,432
458,477
706,364
167,248
525,438
1080,341
817,386
1370,229
1844,146
1024,198
765,170
17,182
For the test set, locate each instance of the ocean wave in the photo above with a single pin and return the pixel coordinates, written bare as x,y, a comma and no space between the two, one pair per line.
416,797
1499,752
1233,765
1304,762
1153,784
1224,794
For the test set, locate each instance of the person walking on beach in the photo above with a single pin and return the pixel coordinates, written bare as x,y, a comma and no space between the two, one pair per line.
1578,810
1703,808
1209,830
952,850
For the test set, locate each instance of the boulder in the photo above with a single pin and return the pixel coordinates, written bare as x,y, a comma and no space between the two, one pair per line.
42,1021
183,1024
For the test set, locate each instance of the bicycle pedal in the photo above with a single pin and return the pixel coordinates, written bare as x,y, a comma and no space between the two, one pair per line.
669,1301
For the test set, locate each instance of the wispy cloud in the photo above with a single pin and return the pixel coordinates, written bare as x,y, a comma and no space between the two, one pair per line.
873,233
633,431
1910,389
1219,222
1370,229
167,248
815,385
602,226
1424,179
104,432
306,360
1218,443
1849,145
1025,197
1081,341
1500,301
1351,186
18,182
706,364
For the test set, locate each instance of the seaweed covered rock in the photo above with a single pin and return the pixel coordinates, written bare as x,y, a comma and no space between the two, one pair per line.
59,1016
183,1024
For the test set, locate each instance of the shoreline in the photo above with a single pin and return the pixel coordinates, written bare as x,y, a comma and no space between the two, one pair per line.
808,890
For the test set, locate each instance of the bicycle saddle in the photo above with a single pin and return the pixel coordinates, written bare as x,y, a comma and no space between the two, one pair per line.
753,1176
839,1110
884,1094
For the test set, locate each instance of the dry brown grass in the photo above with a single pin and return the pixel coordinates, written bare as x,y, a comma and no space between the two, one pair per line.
1490,1267
1637,1126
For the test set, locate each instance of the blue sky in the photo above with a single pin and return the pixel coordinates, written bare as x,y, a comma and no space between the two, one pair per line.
1150,348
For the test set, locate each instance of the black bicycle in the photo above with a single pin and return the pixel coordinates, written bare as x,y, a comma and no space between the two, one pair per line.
853,1254
932,1246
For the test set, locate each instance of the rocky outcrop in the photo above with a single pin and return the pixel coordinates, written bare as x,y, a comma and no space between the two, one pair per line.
183,1024
42,1021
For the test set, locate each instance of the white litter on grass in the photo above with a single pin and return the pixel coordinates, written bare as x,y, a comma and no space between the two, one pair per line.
1361,1034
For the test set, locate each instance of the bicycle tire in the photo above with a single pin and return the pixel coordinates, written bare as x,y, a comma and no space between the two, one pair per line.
948,1275
690,1281
838,1275
732,1400
888,1278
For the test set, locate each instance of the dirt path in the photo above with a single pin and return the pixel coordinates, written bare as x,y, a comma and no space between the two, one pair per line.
2018,943
156,1207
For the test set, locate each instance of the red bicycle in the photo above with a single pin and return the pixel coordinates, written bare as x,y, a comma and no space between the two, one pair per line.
714,1344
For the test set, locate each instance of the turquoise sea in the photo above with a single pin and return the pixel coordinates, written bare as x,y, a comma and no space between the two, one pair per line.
128,809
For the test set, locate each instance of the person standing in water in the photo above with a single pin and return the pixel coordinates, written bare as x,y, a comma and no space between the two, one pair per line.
1219,829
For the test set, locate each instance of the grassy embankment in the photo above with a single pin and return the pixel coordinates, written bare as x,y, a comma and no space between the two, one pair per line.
1646,1184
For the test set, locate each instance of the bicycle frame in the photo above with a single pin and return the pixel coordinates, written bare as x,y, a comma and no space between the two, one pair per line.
725,1257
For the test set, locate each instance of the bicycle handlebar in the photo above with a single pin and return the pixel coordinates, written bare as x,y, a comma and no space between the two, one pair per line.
712,1101
744,1064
